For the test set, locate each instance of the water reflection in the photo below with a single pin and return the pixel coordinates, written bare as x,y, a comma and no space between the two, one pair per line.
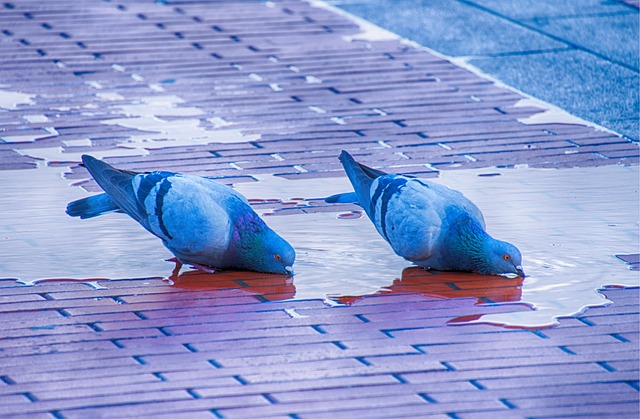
485,291
483,288
265,287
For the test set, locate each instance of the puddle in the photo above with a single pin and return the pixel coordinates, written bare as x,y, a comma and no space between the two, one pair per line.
162,120
10,99
563,221
165,123
568,224
65,155
38,240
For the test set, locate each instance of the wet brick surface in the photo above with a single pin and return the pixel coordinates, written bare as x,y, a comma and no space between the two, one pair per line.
225,352
281,79
386,102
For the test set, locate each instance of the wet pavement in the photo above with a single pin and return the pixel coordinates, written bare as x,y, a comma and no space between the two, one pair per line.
263,96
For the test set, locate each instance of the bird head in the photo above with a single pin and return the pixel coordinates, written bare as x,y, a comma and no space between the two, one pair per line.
477,251
502,258
278,255
254,246
265,251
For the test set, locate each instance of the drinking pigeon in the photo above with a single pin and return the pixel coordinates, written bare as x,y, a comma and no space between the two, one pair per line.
427,223
202,222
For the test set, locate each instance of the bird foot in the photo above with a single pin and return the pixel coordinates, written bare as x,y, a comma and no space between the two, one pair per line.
204,268
176,270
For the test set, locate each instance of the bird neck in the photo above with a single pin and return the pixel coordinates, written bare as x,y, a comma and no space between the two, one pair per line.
468,244
247,236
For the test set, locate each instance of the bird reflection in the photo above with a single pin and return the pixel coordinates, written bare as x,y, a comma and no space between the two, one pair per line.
449,285
263,286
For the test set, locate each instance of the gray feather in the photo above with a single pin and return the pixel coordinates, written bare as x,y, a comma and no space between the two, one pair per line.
92,206
117,184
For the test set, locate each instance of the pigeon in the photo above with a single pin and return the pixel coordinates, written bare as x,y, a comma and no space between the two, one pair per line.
202,222
431,225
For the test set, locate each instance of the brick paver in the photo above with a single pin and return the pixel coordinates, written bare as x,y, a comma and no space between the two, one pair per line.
236,357
282,81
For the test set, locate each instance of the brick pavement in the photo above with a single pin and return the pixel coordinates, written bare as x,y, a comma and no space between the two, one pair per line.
280,79
215,348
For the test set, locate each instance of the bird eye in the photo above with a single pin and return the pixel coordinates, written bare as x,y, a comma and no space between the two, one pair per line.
506,257
278,258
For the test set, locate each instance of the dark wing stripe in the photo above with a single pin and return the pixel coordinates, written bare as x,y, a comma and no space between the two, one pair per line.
147,183
162,191
387,188
382,184
422,183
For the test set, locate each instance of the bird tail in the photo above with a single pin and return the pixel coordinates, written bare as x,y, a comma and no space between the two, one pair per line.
92,206
361,178
342,198
116,183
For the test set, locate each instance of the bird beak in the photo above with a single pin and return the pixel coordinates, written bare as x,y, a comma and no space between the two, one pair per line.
289,270
519,271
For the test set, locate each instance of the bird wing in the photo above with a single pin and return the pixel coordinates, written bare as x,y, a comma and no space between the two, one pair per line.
412,214
190,214
362,178
408,212
193,218
404,218
117,184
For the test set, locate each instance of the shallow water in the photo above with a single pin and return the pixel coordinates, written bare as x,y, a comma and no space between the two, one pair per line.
10,99
568,224
165,122
39,240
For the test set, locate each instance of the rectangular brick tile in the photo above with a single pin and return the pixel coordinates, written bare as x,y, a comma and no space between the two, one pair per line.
319,406
279,372
98,401
298,386
138,409
219,385
329,351
60,347
525,402
204,343
488,340
79,383
540,391
79,363
337,368
437,410
90,353
44,330
623,409
80,337
497,375
405,362
364,390
566,376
